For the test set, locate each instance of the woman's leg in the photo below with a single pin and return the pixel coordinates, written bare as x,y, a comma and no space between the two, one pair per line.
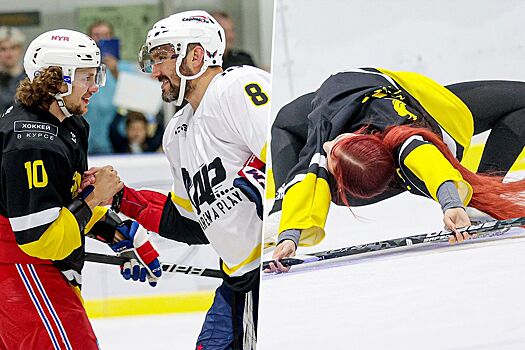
498,106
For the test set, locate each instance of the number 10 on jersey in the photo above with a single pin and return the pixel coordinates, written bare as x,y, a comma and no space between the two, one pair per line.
36,174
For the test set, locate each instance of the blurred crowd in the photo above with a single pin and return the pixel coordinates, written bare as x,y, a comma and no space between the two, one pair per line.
11,69
113,128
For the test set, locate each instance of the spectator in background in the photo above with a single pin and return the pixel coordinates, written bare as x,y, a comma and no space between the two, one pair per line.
11,69
137,139
101,108
232,56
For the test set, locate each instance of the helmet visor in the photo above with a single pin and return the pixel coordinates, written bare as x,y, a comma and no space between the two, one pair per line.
157,56
145,59
90,77
100,78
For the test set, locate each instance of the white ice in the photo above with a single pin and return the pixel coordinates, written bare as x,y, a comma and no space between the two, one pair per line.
467,296
160,332
461,297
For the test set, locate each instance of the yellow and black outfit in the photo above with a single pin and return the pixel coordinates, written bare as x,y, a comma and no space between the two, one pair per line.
41,163
42,227
346,102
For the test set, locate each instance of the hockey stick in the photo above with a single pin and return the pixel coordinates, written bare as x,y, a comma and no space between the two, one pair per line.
438,236
166,267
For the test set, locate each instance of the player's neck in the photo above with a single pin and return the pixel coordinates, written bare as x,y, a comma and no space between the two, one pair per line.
201,85
56,111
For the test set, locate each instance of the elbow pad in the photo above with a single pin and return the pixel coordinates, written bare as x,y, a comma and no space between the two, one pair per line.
79,208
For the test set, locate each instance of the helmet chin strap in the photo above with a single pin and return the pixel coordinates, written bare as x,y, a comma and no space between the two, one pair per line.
60,100
183,78
59,97
182,87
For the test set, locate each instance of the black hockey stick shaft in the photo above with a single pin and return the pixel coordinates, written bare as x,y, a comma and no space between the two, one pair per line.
438,236
166,267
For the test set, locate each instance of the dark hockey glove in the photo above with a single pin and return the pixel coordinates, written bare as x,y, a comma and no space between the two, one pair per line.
251,182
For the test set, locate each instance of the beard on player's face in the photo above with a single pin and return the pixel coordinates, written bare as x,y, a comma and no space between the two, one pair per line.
172,92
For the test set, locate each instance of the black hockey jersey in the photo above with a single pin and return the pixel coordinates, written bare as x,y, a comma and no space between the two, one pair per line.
346,102
42,162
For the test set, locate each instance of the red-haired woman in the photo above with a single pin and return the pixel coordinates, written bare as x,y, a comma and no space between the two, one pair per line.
369,134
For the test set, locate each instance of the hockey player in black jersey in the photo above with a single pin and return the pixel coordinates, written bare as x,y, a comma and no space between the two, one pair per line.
43,218
369,134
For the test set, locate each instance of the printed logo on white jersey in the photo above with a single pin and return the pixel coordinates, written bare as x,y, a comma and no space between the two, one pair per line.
181,128
206,187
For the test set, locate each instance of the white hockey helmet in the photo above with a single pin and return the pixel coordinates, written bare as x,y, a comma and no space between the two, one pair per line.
68,50
179,30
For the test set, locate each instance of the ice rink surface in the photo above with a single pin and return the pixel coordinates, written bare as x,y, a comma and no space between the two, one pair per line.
166,332
467,296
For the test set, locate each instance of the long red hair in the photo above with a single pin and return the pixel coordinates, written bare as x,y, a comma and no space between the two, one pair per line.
365,167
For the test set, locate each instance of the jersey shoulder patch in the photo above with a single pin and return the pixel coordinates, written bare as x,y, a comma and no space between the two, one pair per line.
22,129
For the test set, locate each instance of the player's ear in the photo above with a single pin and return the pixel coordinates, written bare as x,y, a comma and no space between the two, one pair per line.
197,56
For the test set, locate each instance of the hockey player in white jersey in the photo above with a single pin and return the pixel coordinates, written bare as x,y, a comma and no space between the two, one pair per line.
215,144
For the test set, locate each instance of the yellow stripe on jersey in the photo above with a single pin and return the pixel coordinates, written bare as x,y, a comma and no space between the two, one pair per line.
254,255
445,107
431,167
98,213
305,207
182,202
270,184
262,156
58,241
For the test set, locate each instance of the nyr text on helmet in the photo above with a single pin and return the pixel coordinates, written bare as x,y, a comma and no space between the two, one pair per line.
60,38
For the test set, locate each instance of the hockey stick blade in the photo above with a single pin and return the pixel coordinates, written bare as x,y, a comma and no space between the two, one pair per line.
166,267
438,236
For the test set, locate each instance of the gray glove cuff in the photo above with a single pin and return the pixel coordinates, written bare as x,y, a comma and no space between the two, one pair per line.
448,196
292,234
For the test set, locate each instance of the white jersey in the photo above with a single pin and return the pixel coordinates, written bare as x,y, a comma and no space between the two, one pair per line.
207,147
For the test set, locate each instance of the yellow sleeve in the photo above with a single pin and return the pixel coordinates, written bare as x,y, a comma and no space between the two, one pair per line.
97,214
305,207
262,156
58,241
62,237
430,166
270,184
